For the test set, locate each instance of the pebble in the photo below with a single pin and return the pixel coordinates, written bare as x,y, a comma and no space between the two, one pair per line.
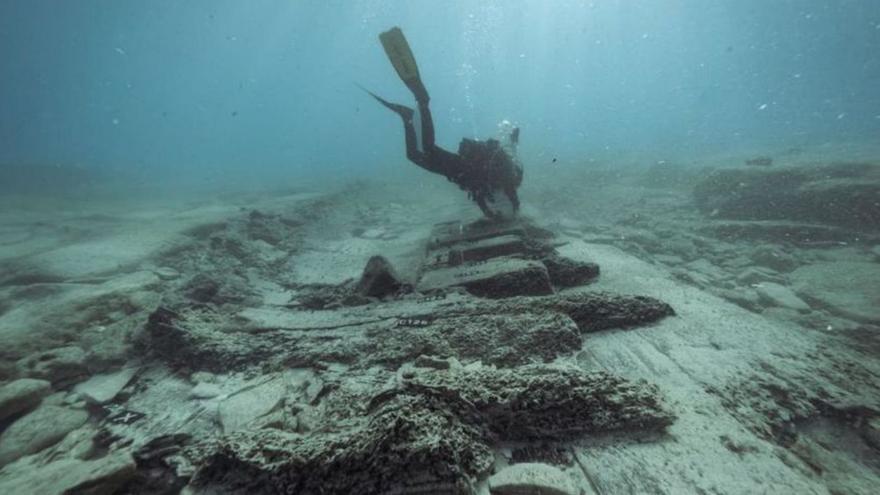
433,362
166,273
372,234
204,390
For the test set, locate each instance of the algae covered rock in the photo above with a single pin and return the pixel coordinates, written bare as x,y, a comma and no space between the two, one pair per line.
565,272
495,339
540,402
601,310
431,431
379,279
407,445
504,332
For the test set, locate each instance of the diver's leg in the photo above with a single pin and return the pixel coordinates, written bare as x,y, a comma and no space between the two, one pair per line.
427,126
412,143
406,114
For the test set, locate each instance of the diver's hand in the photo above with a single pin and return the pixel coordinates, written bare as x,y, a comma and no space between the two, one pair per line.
510,192
487,211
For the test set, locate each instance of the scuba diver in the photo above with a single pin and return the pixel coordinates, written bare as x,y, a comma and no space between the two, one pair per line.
482,168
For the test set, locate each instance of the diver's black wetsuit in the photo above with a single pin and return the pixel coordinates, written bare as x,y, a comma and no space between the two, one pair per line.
480,167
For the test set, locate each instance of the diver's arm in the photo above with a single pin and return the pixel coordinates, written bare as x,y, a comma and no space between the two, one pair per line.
511,194
489,212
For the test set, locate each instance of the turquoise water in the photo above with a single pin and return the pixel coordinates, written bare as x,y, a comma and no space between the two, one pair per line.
224,90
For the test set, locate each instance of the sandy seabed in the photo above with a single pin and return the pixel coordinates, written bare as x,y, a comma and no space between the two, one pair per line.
765,378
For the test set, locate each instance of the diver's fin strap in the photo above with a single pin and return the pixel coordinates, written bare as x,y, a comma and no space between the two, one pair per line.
404,111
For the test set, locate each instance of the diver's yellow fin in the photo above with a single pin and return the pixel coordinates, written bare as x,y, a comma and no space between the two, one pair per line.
399,54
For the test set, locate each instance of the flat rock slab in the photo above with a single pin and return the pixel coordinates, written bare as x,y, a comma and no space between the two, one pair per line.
778,231
203,390
22,395
243,408
496,278
531,478
850,289
38,430
779,295
101,389
104,475
842,194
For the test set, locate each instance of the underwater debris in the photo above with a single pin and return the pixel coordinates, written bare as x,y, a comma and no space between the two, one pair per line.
505,332
500,339
543,453
497,278
566,272
379,279
201,347
434,430
506,259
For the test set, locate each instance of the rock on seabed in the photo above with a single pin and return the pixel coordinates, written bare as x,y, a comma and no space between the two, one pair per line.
38,430
850,289
22,395
531,478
